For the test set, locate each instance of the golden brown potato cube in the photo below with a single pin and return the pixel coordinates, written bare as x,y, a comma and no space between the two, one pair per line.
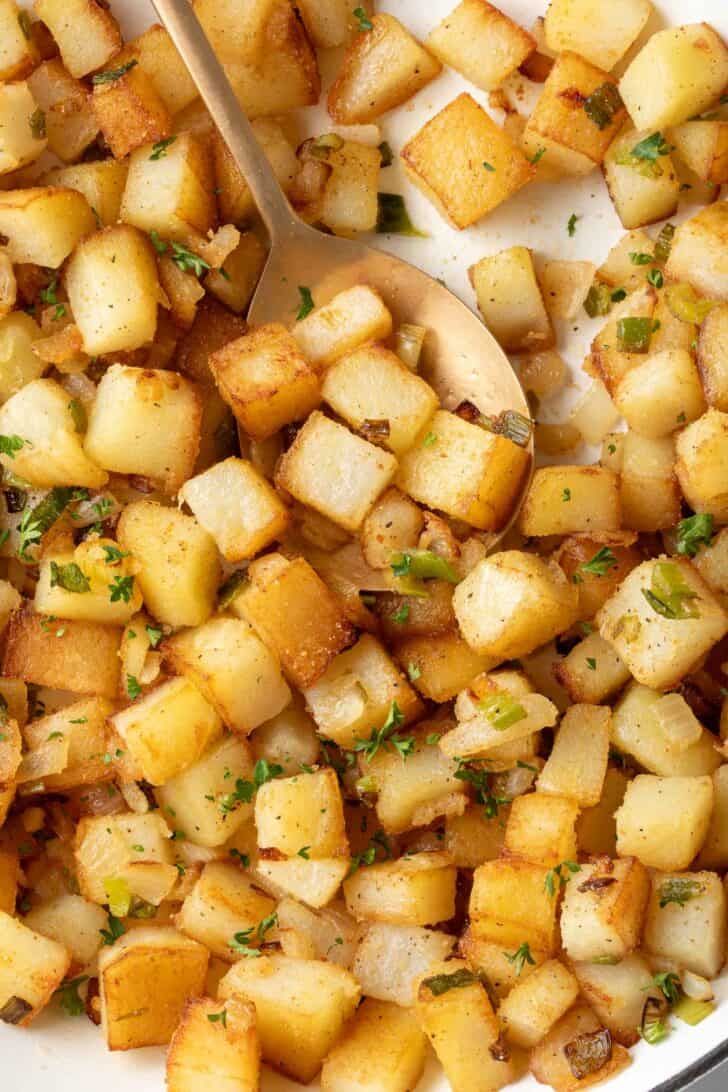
659,396
100,182
23,127
145,422
702,451
158,59
447,158
550,1063
603,909
712,359
265,380
145,980
371,385
686,921
451,1017
237,506
663,821
481,42
113,288
662,620
70,124
130,851
232,667
170,190
510,904
394,524
235,281
534,1005
640,195
585,27
564,286
214,1047
83,724
296,615
335,472
416,890
510,300
471,838
703,147
85,661
302,812
512,603
440,665
416,792
698,252
617,992
540,828
577,764
592,672
301,1007
350,319
618,269
180,567
561,128
382,69
43,224
382,1049
312,882
224,901
129,111
33,967
692,61
465,471
86,33
567,499
18,53
648,486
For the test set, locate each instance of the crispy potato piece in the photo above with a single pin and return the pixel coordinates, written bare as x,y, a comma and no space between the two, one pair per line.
571,499
702,450
100,182
703,147
85,661
534,1005
603,909
510,904
382,1049
549,1063
478,40
440,665
638,731
18,54
302,812
83,723
82,52
657,397
416,890
592,672
597,564
540,828
698,252
577,764
33,967
640,197
617,992
224,901
23,127
130,112
236,280
70,123
214,1048
158,59
689,933
44,223
350,319
648,486
712,361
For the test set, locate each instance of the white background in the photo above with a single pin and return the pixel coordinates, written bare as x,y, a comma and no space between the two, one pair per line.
67,1055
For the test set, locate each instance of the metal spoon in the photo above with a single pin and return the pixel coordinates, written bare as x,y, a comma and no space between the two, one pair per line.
461,358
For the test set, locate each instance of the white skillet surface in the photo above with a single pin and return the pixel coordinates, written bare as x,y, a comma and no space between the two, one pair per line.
61,1054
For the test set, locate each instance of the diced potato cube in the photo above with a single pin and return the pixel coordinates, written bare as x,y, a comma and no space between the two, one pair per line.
640,196
328,22
618,269
533,1006
390,958
223,902
72,921
350,319
567,499
301,1007
715,848
587,28
83,724
158,59
592,672
648,486
472,838
510,904
617,992
296,615
698,253
86,51
214,1046
382,69
712,361
99,599
43,225
85,661
18,54
578,761
235,281
180,568
510,300
663,821
382,1049
335,472
418,791
603,909
512,603
70,123
107,848
659,396
395,523
703,147
200,801
415,890
145,980
481,42
637,731
549,1061
113,289
304,812
440,665
33,967
679,72
608,359
660,639
23,127
686,921
564,286
349,202
100,182
540,828
232,667
171,193
357,692
235,198
465,471
702,450
18,363
313,882
130,112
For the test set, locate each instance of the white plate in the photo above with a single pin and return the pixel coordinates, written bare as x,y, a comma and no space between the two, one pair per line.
68,1055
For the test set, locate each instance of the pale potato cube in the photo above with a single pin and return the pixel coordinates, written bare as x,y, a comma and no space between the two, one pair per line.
350,319
335,472
382,1050
481,42
265,380
465,471
43,224
714,853
145,980
686,921
712,361
313,882
232,667
478,732
712,563
371,385
235,281
129,111
113,289
237,506
145,422
679,72
106,848
698,253
510,300
33,967
447,158
637,731
533,1006
51,451
664,821
82,52
649,490
289,739
512,603
658,637
22,124
549,1063
304,812
349,202
394,524
100,577
18,363
603,909
586,27
382,69
567,499
18,53
235,199
83,724
301,1007
608,361
702,450
416,890
418,791
157,57
70,123
101,183
73,922
540,828
657,397
214,1048
640,196
577,764
510,904
390,958
180,568
618,270
617,992
171,193
592,672
224,901
564,286
703,147
328,22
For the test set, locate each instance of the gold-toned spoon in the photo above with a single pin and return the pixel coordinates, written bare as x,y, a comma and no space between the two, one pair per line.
461,358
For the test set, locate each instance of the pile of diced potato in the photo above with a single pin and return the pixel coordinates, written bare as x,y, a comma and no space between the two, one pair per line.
294,767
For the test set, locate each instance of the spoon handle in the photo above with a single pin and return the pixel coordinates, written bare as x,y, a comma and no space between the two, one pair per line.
184,28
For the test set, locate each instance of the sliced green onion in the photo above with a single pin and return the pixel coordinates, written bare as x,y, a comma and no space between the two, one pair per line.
409,340
118,896
693,1012
598,300
328,142
669,595
603,105
423,565
634,334
685,304
663,246
393,218
502,710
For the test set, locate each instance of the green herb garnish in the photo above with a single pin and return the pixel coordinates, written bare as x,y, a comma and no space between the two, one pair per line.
693,532
393,217
159,150
113,74
520,958
307,304
70,577
603,105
